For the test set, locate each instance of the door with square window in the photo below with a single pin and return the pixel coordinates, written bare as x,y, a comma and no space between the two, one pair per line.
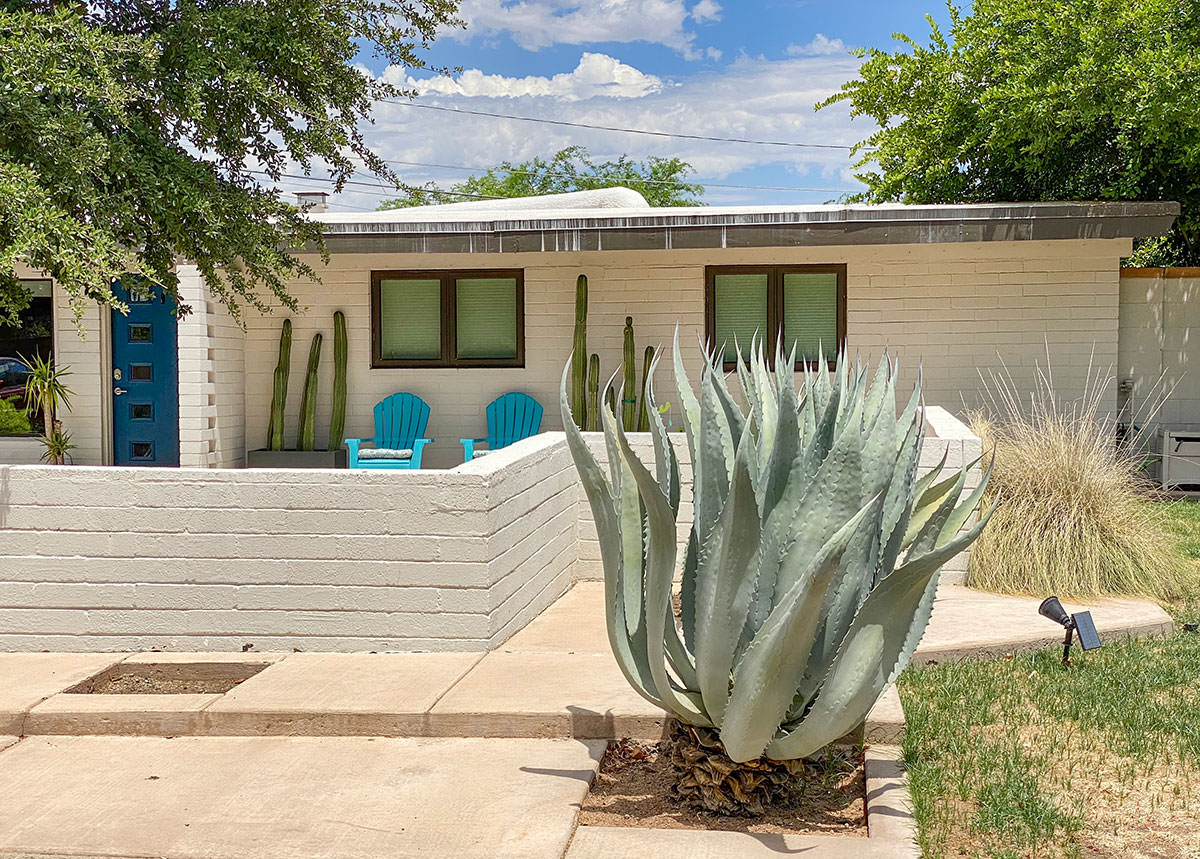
145,378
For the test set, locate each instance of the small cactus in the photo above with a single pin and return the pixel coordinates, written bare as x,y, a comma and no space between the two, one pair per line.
308,403
279,393
337,419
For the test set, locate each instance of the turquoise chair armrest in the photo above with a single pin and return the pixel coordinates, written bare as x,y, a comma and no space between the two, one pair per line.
469,447
418,446
352,450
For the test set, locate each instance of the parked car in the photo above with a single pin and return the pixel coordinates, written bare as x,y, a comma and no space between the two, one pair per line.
13,374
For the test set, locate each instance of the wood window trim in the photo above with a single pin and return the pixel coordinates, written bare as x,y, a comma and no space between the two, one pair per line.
449,319
775,274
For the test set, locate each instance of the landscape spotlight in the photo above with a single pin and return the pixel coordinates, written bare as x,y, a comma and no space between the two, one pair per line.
1081,623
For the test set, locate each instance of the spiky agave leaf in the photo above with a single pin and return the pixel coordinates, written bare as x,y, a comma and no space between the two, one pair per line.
810,568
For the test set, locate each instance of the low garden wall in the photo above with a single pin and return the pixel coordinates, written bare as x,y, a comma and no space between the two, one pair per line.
95,558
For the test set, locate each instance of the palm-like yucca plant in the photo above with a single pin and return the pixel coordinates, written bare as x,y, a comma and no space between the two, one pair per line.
808,577
44,391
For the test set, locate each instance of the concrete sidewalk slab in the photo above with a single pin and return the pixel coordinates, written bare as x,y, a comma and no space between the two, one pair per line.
5,742
27,679
574,624
293,797
340,694
127,715
604,842
582,695
973,624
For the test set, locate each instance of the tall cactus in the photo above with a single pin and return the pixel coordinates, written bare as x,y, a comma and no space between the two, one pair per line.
579,354
643,421
629,395
809,574
337,418
593,393
308,404
279,392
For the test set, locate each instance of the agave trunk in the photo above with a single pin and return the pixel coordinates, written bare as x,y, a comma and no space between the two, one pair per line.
308,403
708,779
337,417
810,570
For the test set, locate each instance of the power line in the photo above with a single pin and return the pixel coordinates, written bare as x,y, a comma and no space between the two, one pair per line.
513,170
564,122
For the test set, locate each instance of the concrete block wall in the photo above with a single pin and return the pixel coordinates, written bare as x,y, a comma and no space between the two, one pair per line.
212,380
945,436
215,559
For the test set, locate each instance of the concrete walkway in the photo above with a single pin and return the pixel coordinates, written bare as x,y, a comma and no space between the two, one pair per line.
381,756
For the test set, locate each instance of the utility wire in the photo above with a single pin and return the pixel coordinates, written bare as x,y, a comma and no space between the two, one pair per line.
564,122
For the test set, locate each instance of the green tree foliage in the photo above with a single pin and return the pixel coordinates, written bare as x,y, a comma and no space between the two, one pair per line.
133,132
659,180
1041,100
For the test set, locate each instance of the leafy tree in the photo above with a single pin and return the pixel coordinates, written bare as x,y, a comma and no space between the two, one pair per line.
659,180
1041,100
133,132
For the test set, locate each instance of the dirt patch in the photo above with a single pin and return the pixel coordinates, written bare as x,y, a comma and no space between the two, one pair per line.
633,789
185,678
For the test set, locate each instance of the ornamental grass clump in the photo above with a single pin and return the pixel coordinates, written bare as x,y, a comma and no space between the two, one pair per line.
1075,516
809,572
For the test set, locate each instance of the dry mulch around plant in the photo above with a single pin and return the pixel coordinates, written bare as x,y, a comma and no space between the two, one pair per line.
134,684
633,789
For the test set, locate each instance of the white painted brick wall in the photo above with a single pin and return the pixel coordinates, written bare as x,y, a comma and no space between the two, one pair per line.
181,559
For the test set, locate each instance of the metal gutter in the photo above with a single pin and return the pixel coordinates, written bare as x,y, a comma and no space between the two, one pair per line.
729,227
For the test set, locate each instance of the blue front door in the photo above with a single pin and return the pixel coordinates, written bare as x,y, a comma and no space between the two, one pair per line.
145,378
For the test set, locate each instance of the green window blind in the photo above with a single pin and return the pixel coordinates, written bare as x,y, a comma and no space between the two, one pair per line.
486,308
410,319
739,310
810,314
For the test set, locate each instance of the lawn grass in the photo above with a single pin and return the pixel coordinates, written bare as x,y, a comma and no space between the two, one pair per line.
1020,757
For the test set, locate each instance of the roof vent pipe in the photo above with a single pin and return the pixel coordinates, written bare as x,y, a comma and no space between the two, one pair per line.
313,201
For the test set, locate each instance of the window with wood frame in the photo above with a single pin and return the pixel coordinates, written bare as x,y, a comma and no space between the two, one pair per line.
799,305
448,318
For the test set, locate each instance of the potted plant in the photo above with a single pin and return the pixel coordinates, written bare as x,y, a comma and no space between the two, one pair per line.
305,454
44,390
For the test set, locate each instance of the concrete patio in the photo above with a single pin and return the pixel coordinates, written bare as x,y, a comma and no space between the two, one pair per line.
350,756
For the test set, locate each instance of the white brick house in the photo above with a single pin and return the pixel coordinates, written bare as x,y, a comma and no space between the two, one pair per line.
954,289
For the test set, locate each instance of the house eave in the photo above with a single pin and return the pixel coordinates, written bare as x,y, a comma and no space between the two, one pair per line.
742,227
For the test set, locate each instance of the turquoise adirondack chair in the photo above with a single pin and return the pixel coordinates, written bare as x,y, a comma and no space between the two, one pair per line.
399,426
510,418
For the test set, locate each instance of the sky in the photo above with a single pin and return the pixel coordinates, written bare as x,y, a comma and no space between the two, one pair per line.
715,68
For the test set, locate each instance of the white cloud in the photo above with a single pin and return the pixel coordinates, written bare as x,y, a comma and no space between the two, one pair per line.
536,24
820,46
596,76
713,54
706,10
752,98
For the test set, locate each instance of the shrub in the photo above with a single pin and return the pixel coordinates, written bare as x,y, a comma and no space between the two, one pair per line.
1074,517
13,420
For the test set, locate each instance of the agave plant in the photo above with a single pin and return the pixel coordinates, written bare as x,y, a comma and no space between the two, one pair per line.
808,576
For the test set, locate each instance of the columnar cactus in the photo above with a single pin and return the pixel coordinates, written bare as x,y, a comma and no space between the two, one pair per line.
809,573
593,393
643,421
279,391
629,398
337,417
579,354
308,403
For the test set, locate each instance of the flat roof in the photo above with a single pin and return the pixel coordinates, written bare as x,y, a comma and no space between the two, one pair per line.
532,226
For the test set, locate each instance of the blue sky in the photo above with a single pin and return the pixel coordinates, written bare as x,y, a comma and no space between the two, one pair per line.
709,67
